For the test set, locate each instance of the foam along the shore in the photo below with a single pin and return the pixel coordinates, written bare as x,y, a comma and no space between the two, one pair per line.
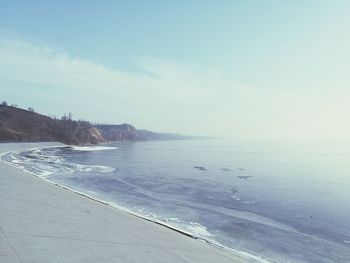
41,222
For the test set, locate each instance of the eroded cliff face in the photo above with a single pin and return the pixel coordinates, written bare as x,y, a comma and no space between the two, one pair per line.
123,132
84,134
95,136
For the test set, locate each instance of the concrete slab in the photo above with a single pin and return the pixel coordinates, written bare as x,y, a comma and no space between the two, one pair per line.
9,259
5,249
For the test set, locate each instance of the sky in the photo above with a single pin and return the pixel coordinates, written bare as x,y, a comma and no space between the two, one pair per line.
239,69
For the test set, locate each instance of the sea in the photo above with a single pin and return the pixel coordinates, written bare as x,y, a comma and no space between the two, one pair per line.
270,201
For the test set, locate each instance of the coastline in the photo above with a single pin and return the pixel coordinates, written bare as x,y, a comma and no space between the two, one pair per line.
134,235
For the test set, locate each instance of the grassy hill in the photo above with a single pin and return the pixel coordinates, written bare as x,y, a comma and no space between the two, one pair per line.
19,125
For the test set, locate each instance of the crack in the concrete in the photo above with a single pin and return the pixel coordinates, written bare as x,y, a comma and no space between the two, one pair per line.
8,242
82,239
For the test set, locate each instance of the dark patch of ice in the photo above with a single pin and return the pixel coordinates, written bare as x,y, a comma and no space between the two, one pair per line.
200,168
244,177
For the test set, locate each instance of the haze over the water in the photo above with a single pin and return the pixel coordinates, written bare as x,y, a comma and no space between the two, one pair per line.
240,69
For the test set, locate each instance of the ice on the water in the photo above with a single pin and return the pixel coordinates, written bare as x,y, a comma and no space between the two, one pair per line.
92,148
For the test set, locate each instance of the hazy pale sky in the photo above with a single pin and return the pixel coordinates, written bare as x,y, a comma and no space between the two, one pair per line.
241,69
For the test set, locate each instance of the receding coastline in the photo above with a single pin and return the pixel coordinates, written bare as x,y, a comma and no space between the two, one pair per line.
41,222
21,125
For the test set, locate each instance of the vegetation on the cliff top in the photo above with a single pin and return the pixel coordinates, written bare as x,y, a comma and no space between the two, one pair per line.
25,125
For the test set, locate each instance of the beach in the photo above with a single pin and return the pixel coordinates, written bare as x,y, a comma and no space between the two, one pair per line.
43,222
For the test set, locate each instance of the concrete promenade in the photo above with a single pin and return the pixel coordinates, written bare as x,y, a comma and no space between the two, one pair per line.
41,222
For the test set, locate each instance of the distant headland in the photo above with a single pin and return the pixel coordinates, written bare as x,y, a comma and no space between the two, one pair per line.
25,125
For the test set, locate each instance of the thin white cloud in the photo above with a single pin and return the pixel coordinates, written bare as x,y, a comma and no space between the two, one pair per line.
170,82
173,97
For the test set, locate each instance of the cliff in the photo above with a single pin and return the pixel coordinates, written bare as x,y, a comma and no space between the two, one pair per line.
18,125
149,135
122,132
127,132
